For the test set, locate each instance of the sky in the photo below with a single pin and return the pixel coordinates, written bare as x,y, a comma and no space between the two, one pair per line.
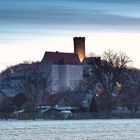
28,28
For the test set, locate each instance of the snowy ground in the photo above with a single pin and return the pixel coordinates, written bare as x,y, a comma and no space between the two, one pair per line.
70,130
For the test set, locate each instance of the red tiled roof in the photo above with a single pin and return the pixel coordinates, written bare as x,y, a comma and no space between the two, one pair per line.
61,58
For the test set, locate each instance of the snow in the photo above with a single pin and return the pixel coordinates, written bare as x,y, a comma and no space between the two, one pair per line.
70,130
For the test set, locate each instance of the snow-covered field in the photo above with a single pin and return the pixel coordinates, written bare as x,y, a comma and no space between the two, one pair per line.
70,130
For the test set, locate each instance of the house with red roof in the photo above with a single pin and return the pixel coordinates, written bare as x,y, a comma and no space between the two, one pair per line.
64,70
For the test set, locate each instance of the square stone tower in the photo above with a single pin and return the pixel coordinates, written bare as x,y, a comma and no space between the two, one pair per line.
79,47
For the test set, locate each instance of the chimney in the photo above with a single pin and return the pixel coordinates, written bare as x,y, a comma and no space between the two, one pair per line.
79,47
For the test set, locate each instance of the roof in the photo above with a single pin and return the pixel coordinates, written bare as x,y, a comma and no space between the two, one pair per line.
33,66
79,96
5,82
91,60
88,60
61,58
69,99
9,92
53,99
12,78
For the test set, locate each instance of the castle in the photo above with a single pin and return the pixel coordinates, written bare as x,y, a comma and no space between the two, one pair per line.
65,70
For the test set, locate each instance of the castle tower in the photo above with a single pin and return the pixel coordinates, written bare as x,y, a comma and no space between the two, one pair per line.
79,47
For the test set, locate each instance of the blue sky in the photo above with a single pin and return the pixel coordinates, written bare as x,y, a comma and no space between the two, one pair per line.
24,22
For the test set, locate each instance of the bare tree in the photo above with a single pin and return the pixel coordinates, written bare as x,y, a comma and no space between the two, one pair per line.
130,98
112,70
111,74
35,86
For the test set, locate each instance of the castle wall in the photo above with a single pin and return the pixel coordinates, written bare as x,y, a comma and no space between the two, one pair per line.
66,77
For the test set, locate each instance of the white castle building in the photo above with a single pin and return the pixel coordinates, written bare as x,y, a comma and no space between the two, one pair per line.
64,70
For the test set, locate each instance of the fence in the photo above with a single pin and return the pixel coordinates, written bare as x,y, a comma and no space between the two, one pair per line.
74,116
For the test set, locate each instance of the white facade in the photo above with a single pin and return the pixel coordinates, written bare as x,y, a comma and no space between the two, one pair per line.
66,77
63,77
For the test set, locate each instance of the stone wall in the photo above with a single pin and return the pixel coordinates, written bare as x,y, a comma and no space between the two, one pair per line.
65,77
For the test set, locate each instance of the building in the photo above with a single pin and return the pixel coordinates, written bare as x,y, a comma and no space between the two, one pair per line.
64,70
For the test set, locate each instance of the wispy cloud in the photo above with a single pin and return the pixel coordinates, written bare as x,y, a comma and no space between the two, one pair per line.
45,13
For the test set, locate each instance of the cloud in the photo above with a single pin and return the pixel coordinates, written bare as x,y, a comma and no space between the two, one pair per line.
65,13
56,16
